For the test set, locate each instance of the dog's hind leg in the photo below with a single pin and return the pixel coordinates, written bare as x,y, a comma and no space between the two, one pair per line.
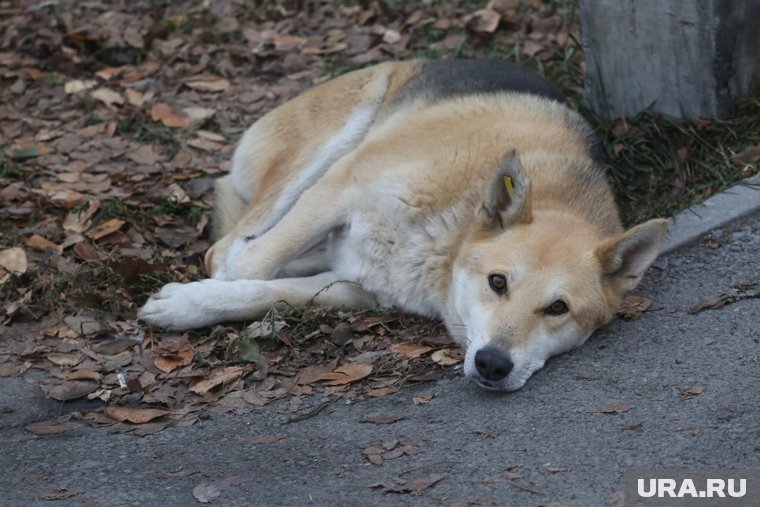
320,210
229,207
198,304
291,148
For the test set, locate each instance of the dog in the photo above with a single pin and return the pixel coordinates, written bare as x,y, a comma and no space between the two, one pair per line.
462,190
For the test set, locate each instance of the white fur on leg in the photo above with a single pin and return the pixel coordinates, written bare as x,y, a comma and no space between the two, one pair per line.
238,246
199,304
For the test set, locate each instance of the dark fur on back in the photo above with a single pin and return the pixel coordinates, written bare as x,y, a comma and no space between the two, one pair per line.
449,78
445,79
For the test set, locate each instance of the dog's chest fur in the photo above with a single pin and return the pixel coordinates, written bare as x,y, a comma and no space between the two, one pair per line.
399,252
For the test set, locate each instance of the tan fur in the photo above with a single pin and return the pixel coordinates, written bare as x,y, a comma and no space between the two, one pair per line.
277,146
392,142
405,197
228,207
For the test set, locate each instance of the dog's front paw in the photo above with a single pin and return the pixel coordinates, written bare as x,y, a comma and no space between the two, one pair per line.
178,306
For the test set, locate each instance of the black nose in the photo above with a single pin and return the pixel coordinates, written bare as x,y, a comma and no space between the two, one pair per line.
493,364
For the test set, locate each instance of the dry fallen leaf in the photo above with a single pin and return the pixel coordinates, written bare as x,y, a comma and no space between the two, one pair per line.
615,408
734,294
266,329
137,98
531,47
447,357
415,487
381,391
205,144
60,493
177,236
218,379
495,479
109,73
105,228
389,450
209,85
72,390
173,353
134,415
634,307
84,374
107,96
77,86
51,427
341,334
254,398
9,370
410,350
37,242
391,36
80,221
689,432
196,116
747,156
483,21
82,324
65,358
143,155
374,455
422,399
688,392
177,194
314,372
163,113
12,261
483,433
206,492
347,374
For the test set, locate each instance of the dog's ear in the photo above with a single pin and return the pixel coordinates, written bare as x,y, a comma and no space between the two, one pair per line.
625,257
507,199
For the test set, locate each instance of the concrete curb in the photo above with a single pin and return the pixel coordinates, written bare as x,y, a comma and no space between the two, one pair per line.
689,225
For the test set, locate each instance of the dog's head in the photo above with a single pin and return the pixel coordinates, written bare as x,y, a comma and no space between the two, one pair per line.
533,283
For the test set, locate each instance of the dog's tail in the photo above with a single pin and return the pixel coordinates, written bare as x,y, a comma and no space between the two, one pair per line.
228,208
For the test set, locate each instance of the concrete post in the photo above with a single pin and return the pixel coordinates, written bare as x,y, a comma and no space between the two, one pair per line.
679,57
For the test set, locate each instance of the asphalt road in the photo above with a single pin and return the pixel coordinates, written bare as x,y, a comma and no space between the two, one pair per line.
544,443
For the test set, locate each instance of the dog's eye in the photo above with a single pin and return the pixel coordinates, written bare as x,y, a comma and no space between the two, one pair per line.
498,283
559,307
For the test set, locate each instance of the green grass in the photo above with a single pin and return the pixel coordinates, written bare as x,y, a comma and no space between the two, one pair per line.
139,128
8,169
189,212
661,165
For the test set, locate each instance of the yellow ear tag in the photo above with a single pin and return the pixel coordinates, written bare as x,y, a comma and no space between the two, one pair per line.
508,186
